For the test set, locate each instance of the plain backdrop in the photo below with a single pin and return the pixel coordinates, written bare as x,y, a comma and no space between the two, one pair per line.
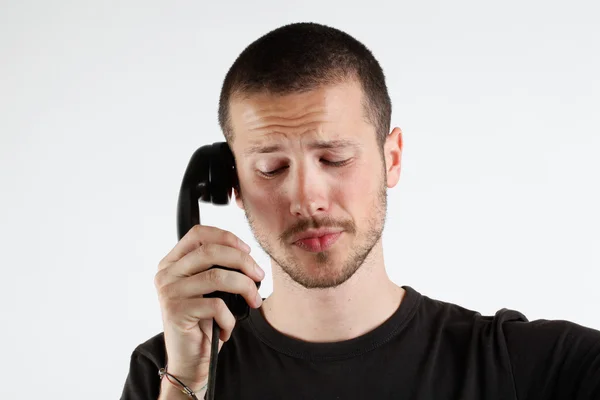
102,104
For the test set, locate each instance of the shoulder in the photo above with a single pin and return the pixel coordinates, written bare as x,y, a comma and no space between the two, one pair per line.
509,332
554,356
543,339
457,318
507,325
542,356
142,380
512,329
151,351
556,337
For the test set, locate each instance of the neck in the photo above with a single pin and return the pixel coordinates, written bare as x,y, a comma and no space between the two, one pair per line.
359,305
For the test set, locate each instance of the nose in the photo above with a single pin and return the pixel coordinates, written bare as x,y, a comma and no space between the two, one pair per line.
308,192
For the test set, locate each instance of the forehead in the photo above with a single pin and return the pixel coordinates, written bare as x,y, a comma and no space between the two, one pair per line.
329,113
257,147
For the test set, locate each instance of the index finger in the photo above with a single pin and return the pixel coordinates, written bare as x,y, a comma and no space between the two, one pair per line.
198,235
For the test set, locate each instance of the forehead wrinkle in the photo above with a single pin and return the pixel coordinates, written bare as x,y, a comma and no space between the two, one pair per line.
271,120
298,128
268,118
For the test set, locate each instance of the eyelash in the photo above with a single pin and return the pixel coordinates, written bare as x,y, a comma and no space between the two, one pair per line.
335,164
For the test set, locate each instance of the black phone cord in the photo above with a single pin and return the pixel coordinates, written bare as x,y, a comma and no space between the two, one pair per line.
212,368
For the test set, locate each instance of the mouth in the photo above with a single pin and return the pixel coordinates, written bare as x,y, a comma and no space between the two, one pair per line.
317,243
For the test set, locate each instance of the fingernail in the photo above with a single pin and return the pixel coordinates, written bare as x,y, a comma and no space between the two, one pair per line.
259,271
258,299
245,246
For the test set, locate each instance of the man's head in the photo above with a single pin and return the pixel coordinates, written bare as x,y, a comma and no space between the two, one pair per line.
306,112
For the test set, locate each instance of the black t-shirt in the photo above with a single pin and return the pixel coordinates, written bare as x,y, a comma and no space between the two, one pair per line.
428,349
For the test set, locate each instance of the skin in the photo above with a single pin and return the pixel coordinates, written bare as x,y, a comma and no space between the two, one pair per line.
343,292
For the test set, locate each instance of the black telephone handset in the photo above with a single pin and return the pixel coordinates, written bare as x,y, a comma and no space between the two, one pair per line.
210,177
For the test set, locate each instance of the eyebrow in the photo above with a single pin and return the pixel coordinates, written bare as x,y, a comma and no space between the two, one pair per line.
315,145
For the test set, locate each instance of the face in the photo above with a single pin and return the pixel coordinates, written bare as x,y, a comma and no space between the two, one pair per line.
293,185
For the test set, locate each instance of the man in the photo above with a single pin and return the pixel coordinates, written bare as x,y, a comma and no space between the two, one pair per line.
306,113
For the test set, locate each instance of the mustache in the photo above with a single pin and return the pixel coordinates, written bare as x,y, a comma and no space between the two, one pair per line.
306,224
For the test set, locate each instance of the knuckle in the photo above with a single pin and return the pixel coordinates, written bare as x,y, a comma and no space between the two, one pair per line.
218,305
159,278
207,250
163,263
165,292
167,305
196,229
214,275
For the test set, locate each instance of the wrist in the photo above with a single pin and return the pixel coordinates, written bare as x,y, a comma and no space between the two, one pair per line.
170,391
172,381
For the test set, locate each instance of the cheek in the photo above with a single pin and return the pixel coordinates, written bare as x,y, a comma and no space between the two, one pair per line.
265,203
357,188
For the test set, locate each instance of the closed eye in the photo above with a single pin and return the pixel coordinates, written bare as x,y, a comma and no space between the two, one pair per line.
271,174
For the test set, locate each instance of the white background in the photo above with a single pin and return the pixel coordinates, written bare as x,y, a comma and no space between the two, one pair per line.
103,103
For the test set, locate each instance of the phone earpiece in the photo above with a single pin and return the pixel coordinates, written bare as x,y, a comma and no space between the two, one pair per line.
210,177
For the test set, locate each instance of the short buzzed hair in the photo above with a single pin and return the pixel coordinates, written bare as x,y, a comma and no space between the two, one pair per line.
303,56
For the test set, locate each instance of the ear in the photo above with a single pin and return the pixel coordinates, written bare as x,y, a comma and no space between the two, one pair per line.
238,198
393,156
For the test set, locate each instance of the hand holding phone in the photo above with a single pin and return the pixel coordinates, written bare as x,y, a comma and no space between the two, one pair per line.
186,275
